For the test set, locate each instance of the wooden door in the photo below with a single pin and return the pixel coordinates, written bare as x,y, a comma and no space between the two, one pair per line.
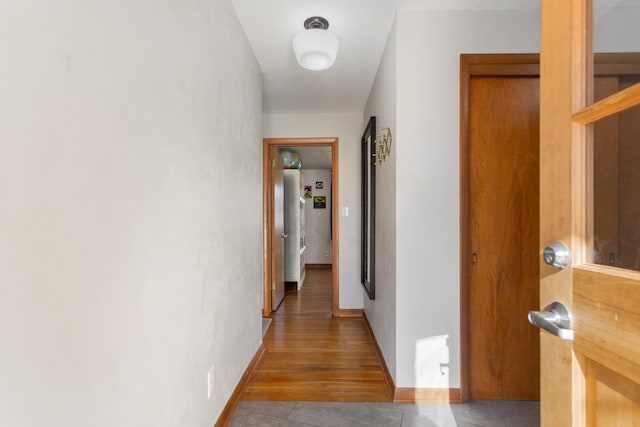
503,234
277,234
593,380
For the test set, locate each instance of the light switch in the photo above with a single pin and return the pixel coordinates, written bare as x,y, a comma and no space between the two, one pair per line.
345,211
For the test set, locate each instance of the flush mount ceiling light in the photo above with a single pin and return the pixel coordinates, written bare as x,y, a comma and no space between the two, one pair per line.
316,47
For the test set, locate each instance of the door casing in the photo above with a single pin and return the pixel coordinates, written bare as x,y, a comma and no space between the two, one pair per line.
276,225
269,143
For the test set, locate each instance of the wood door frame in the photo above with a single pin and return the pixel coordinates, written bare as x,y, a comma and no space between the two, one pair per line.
475,65
267,184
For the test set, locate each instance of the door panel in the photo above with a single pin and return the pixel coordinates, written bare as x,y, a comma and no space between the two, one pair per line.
503,232
607,325
605,308
277,235
615,400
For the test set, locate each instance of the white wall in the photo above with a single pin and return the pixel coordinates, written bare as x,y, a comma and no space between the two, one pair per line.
318,221
428,223
381,312
419,307
426,81
128,265
348,128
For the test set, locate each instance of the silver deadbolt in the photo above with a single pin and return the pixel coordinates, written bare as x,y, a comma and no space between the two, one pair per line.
556,255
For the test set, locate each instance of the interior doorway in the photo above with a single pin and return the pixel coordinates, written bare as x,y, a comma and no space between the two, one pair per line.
271,235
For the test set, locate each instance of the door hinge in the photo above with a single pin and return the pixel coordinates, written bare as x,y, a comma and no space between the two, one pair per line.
273,286
273,163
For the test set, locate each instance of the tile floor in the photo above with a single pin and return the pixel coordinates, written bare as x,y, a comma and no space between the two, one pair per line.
334,414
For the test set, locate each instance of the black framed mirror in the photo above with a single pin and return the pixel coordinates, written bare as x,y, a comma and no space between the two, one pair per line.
369,208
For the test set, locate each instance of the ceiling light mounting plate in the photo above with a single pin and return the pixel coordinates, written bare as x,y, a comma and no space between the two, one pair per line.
316,22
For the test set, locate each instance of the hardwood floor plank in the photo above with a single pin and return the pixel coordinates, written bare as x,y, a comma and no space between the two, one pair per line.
312,356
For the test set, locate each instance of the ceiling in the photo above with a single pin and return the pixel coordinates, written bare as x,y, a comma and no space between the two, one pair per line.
362,27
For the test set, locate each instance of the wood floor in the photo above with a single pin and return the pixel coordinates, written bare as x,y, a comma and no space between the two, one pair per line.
312,356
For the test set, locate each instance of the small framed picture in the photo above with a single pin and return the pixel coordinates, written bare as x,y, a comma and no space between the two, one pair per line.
319,185
319,202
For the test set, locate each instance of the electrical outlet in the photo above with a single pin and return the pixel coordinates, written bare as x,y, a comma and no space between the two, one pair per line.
211,381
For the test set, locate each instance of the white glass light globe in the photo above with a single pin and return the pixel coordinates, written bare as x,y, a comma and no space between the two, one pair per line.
316,49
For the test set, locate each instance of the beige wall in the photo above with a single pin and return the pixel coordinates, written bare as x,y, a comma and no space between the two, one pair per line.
129,265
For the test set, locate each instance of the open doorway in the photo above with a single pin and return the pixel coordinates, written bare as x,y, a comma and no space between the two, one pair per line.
274,277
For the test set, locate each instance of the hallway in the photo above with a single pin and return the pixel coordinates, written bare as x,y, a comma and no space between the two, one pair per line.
320,371
312,356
